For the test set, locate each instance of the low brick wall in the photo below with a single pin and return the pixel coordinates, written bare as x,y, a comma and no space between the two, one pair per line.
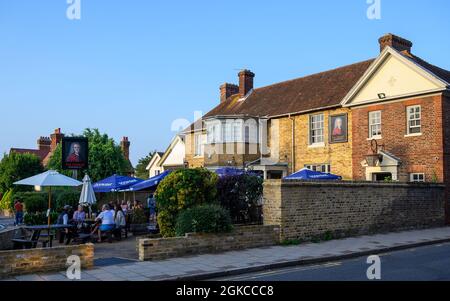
7,235
21,262
242,237
308,210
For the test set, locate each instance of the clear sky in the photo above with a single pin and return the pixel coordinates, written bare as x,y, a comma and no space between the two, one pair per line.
132,67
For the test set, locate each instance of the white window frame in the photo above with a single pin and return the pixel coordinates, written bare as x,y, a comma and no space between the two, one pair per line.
412,117
317,129
198,145
412,177
319,167
375,121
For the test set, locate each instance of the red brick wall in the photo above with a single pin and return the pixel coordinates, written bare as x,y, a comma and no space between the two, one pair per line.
446,133
422,154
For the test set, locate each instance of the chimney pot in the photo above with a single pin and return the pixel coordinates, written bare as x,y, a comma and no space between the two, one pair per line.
245,82
396,42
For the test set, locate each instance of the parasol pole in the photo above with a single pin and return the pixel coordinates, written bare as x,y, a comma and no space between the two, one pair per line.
49,205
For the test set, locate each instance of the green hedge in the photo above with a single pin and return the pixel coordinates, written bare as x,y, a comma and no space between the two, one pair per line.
203,219
34,201
180,190
71,198
39,218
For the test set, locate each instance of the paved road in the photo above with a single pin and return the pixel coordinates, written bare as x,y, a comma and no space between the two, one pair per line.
420,264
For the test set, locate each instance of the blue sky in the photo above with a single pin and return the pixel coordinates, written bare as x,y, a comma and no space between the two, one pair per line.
131,67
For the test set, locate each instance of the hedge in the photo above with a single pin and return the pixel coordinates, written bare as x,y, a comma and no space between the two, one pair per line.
203,219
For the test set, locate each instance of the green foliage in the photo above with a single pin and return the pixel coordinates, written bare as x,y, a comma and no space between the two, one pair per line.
15,167
34,201
291,242
105,157
138,216
203,219
7,201
71,198
39,218
240,195
180,190
166,222
140,170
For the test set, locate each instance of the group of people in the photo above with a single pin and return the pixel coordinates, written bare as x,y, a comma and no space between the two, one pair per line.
112,218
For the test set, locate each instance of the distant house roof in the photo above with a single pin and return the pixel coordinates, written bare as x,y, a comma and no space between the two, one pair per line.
42,154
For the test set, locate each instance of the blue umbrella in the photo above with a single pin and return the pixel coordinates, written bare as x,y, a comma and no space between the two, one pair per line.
150,183
307,174
115,183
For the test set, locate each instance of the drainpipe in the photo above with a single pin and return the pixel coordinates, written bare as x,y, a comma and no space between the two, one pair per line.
292,143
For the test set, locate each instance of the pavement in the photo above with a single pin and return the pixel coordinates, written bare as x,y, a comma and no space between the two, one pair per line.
428,263
207,266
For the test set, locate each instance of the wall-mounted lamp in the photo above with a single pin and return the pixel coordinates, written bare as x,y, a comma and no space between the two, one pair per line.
381,95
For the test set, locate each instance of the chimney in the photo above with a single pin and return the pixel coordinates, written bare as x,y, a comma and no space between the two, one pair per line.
44,143
56,138
395,42
125,146
227,90
245,82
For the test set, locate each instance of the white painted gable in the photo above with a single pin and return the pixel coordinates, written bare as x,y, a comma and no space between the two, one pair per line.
395,76
177,154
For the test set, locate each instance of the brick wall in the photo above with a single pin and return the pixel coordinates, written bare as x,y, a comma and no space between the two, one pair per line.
446,134
20,262
338,155
420,154
193,161
241,238
305,210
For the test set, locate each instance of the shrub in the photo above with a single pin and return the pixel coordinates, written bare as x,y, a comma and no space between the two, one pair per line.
39,218
138,216
241,195
71,198
180,190
7,202
34,201
203,219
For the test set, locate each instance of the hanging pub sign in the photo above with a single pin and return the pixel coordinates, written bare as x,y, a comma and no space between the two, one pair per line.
75,151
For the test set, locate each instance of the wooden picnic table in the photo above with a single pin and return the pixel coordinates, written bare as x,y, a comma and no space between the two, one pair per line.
36,234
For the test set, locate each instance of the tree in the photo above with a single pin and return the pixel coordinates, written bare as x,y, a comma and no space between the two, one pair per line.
15,167
141,171
105,156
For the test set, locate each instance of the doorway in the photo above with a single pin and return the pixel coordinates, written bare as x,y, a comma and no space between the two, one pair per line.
382,177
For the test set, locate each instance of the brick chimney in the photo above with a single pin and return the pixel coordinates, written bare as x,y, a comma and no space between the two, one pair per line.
125,146
245,82
56,138
44,143
227,90
396,42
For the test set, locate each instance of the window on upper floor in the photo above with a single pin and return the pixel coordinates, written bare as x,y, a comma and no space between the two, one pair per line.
417,177
375,125
414,115
316,129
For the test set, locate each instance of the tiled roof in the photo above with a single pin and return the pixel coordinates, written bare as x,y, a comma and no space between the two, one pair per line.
439,72
42,154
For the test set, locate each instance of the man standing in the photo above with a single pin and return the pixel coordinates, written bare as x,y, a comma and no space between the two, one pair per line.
18,208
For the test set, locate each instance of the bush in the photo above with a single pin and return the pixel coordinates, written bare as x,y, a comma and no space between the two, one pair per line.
138,216
241,195
7,201
34,201
39,218
203,219
71,198
180,190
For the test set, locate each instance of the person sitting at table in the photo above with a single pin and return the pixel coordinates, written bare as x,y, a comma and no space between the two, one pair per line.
79,216
107,222
63,219
124,207
119,219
